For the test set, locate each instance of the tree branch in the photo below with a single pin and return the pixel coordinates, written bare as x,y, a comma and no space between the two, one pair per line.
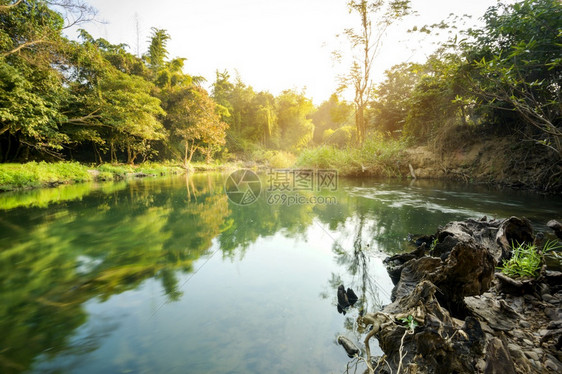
22,46
6,7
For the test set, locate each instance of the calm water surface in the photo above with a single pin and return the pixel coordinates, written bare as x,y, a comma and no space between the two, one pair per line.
167,275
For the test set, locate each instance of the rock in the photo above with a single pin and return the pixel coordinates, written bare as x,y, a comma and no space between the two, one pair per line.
351,296
553,363
532,355
498,359
556,226
514,230
549,364
343,302
350,347
489,310
466,320
515,350
524,324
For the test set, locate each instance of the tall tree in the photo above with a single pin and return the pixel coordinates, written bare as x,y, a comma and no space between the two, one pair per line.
375,19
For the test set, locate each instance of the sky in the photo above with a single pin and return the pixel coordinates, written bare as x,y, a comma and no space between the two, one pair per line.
272,45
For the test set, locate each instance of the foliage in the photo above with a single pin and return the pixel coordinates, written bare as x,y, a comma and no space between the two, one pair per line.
331,115
410,322
377,156
516,66
295,127
194,123
38,174
526,260
33,174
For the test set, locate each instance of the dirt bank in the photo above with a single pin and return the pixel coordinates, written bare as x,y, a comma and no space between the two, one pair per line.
503,161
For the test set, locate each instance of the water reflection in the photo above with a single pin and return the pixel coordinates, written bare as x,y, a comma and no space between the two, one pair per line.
167,274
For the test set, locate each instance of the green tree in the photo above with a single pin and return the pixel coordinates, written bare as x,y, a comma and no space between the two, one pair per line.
295,126
392,97
194,123
517,67
31,46
331,114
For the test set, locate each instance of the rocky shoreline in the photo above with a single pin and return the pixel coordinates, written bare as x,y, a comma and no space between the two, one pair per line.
452,311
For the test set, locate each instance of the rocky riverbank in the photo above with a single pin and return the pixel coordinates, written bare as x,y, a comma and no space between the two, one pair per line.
453,312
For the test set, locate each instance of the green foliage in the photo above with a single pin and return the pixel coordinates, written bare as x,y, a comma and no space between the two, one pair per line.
42,174
33,174
331,115
345,136
293,111
526,260
410,322
516,68
378,156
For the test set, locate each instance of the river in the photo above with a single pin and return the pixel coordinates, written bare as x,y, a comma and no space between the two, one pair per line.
170,275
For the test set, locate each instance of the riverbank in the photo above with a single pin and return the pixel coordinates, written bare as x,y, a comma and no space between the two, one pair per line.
42,174
454,310
486,159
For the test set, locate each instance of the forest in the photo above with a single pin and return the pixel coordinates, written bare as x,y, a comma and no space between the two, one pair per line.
95,102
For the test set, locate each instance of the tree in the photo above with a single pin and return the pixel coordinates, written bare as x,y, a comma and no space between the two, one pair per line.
331,115
367,42
392,97
517,66
31,46
194,123
157,51
295,126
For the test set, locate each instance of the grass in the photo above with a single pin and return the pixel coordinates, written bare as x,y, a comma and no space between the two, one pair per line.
526,260
43,174
273,158
379,156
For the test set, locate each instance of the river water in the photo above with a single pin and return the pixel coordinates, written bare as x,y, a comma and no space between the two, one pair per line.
168,275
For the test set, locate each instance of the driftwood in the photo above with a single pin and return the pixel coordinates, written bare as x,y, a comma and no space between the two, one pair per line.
462,316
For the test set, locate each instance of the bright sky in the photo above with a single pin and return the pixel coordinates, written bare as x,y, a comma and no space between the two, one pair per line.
273,44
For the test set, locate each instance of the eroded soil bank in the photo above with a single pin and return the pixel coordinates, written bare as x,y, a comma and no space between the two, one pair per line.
453,312
504,161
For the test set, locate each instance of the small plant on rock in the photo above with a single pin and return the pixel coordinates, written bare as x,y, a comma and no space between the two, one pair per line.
526,260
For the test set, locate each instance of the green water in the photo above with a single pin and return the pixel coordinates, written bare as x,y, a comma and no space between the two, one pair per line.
167,275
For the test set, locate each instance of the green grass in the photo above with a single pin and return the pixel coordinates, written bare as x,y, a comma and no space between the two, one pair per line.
273,158
526,260
43,174
34,174
379,156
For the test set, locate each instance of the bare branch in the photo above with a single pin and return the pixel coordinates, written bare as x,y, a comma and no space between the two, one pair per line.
22,46
6,7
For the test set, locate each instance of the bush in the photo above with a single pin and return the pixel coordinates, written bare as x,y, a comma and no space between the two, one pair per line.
379,156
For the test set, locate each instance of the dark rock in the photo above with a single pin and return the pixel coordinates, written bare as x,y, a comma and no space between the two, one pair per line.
515,286
465,319
476,337
350,348
351,296
489,310
514,231
556,226
395,264
498,359
343,302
